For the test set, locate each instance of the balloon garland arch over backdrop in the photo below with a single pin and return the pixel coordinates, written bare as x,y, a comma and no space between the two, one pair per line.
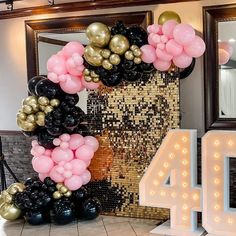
64,147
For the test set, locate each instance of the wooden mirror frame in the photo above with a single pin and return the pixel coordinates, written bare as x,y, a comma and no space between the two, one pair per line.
211,17
73,24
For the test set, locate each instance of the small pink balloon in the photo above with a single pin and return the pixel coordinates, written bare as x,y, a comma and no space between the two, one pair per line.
163,55
55,176
76,140
174,48
161,46
87,162
64,145
89,85
182,61
73,183
65,137
48,152
78,166
53,77
156,38
73,47
67,173
92,142
68,166
72,68
86,177
62,154
227,47
34,143
60,169
39,150
151,41
84,152
57,64
43,176
71,85
56,141
162,65
196,48
164,39
168,28
224,56
148,53
184,34
154,28
42,164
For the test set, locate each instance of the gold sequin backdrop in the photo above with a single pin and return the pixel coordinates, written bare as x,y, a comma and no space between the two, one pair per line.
130,122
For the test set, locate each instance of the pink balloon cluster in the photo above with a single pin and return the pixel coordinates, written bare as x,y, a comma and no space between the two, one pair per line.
172,43
225,52
67,163
66,68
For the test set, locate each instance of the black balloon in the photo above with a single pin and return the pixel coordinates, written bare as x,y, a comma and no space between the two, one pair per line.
71,99
33,82
132,76
83,130
137,36
112,80
45,139
187,71
91,208
37,218
81,194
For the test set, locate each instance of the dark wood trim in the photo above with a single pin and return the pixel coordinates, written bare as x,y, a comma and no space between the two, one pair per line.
10,133
211,16
52,41
80,6
73,24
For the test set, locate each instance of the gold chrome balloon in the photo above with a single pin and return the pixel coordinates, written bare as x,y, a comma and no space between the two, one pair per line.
31,118
137,52
48,109
21,115
107,65
57,195
133,47
40,118
86,72
26,126
92,55
168,15
15,188
129,55
96,80
106,53
137,60
114,59
30,100
7,197
27,109
88,78
54,102
10,211
35,107
93,74
67,194
59,185
63,189
98,34
119,44
44,101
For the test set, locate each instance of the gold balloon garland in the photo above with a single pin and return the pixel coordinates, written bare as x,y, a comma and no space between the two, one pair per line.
62,191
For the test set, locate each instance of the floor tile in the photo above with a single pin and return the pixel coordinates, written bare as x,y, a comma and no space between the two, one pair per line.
64,230
11,228
92,231
142,228
118,229
114,219
29,230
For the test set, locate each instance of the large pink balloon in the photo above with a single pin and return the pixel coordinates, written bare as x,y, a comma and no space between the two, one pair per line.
184,34
196,48
89,85
163,55
168,28
148,53
55,176
162,65
227,47
72,85
173,48
78,166
182,61
42,164
74,182
76,140
86,177
62,154
85,152
73,47
57,64
92,142
224,56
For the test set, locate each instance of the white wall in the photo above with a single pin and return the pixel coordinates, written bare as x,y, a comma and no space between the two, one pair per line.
13,76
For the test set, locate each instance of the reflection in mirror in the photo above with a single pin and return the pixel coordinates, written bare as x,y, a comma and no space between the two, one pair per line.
227,69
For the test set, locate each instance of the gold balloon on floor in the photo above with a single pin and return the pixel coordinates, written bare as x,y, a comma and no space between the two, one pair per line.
98,34
168,15
10,212
119,44
93,55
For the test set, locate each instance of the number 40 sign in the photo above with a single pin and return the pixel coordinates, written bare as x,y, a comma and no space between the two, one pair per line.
171,182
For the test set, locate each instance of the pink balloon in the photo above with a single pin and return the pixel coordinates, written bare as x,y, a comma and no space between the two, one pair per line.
182,61
76,140
154,28
162,65
89,85
39,150
151,40
57,64
73,47
78,166
161,46
62,154
224,56
174,48
87,162
74,69
184,34
227,47
92,142
86,177
65,137
48,152
42,164
168,28
55,176
74,182
196,48
163,55
71,85
148,53
43,176
53,77
84,152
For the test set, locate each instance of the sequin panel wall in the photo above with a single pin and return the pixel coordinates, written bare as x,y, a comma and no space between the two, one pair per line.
130,122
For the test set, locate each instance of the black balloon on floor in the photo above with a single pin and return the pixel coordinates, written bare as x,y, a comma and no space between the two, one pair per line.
37,218
91,208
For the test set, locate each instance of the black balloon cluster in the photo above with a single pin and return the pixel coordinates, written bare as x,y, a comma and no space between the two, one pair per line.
66,118
38,205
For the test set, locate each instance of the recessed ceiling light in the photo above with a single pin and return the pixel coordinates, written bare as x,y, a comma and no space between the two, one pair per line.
232,40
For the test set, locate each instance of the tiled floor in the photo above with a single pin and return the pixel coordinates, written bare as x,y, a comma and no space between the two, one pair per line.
102,226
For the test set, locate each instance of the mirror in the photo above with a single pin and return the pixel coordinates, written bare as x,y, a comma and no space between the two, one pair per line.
220,67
